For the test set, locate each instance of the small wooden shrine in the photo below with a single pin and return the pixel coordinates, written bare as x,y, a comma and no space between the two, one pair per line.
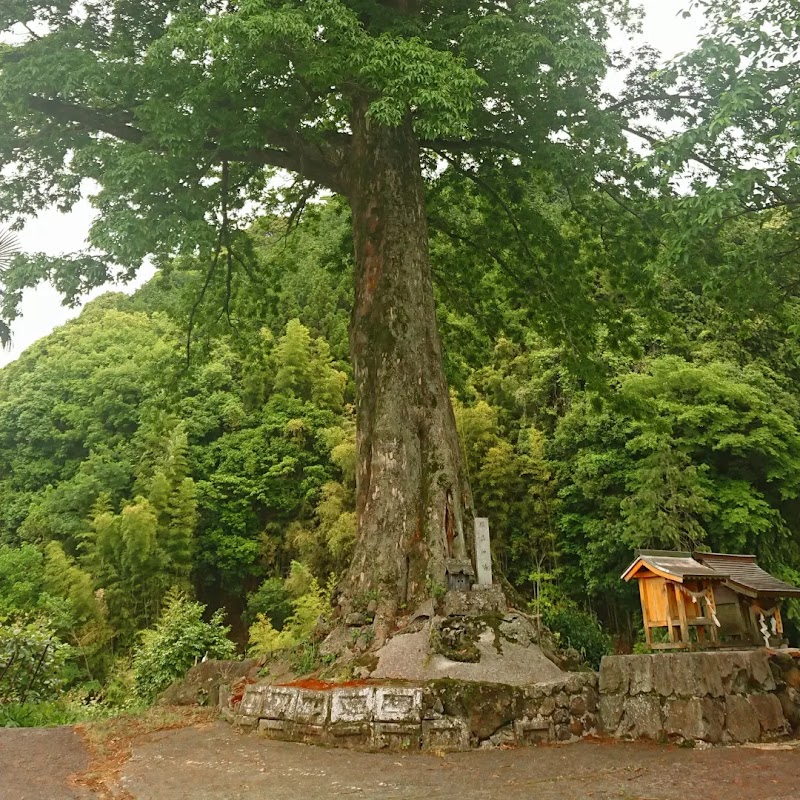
748,601
697,600
677,595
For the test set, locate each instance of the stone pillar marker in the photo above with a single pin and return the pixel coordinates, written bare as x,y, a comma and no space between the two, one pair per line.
483,551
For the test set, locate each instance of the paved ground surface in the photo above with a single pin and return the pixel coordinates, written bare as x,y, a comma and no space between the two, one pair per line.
35,764
214,762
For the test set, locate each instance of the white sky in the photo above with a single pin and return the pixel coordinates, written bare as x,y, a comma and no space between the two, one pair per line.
54,233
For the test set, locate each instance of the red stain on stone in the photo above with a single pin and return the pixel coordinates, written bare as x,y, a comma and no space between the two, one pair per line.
238,690
324,686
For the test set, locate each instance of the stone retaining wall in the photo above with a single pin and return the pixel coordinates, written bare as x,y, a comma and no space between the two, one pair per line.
440,715
722,696
714,697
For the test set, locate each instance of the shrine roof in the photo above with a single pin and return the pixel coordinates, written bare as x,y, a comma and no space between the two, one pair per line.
671,564
744,575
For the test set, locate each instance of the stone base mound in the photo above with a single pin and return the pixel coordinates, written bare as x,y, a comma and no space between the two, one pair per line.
480,649
471,675
471,636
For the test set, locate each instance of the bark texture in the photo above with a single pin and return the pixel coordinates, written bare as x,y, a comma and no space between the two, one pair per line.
413,500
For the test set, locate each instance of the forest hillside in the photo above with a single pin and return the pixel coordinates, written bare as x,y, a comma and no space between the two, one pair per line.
144,484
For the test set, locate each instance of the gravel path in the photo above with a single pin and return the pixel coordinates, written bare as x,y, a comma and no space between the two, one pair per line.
214,762
36,764
217,763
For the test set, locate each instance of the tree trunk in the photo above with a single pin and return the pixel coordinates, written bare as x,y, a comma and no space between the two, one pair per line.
412,499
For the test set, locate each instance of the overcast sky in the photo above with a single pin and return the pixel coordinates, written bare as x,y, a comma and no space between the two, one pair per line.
55,233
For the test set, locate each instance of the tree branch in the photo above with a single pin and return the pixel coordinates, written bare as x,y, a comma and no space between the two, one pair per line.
495,195
316,161
468,145
116,125
649,97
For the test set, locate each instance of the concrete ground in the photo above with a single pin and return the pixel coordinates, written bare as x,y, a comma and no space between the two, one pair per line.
215,762
36,763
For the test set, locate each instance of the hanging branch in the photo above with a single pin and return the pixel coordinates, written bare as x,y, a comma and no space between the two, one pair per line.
36,671
10,663
309,190
247,268
209,274
222,239
9,247
482,184
225,233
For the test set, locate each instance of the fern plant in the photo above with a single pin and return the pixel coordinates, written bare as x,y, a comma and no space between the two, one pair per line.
9,247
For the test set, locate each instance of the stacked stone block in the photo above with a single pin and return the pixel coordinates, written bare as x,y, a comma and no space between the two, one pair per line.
786,671
441,715
711,697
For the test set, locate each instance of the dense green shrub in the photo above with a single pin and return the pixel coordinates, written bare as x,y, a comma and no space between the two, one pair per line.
37,715
272,600
32,660
179,639
579,629
310,602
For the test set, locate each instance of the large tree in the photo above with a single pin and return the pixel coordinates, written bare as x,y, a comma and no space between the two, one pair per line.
175,114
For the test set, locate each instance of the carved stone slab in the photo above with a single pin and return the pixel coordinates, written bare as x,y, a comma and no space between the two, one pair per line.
353,705
398,704
483,551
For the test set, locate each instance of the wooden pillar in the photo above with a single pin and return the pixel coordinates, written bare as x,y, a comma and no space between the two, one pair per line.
755,630
670,610
648,632
711,612
680,599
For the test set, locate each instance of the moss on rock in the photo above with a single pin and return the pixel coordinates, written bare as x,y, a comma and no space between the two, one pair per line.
487,707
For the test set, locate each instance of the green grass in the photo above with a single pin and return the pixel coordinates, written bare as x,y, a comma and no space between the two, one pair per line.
69,710
37,715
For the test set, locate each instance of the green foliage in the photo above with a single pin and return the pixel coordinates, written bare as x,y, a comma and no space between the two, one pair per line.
310,602
305,368
179,639
70,411
37,715
9,247
221,477
32,660
522,80
140,553
624,354
49,586
270,600
21,579
579,629
514,486
683,455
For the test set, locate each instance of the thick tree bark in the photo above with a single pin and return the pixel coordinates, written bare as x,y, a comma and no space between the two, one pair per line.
413,501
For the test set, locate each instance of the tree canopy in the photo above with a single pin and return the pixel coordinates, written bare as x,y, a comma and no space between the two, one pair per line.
179,112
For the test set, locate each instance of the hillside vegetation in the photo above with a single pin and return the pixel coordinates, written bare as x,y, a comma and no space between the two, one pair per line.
132,481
